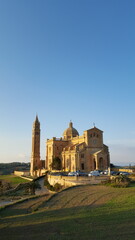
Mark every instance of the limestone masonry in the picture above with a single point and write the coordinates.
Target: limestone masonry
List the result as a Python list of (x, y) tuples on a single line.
[(84, 153), (35, 155)]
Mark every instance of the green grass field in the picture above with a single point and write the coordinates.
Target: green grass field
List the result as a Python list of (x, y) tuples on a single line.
[(14, 180), (84, 212)]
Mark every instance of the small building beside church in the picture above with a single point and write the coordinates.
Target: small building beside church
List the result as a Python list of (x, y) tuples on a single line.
[(84, 153)]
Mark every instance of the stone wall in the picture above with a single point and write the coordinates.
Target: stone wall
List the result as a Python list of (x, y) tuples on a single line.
[(68, 181), (21, 173), (126, 170)]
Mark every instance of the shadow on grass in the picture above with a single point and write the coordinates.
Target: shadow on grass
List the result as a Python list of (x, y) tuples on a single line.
[(132, 184), (79, 223), (114, 220), (24, 206)]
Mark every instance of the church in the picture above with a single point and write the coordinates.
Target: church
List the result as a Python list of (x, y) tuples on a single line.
[(84, 153), (77, 153)]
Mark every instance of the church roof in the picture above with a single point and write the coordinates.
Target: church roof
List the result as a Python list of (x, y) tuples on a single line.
[(95, 128), (97, 152), (70, 131), (70, 146)]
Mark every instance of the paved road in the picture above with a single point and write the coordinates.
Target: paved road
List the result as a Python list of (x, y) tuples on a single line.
[(43, 189)]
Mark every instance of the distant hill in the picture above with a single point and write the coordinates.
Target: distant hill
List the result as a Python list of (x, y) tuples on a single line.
[(8, 168)]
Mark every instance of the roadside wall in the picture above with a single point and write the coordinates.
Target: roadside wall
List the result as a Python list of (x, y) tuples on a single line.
[(23, 173), (126, 170), (39, 172), (68, 181), (123, 170)]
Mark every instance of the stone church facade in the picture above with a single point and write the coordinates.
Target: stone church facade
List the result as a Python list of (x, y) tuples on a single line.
[(84, 153)]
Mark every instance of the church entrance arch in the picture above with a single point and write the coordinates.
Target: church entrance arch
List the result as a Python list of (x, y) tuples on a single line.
[(101, 164)]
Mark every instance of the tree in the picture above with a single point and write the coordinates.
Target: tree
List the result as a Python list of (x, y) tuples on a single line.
[(112, 165), (56, 164)]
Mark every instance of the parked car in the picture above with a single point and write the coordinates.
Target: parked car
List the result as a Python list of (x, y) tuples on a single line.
[(102, 173), (73, 174), (124, 173), (106, 172), (114, 173), (83, 174), (94, 173), (59, 173), (63, 174)]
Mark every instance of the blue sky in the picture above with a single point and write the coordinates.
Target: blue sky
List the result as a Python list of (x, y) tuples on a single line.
[(67, 60)]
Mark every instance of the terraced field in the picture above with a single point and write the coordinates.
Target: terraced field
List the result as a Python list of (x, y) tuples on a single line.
[(84, 212)]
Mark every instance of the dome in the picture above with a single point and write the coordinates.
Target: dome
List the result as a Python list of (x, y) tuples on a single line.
[(70, 132)]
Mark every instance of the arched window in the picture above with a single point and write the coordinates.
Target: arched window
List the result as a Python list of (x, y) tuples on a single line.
[(82, 166)]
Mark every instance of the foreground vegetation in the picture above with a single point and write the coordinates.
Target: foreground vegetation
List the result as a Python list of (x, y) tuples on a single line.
[(84, 212), (8, 182)]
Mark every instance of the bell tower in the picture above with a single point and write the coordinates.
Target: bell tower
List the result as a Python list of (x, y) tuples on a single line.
[(35, 155)]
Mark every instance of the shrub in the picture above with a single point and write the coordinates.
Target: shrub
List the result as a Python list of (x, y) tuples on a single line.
[(49, 187), (120, 181), (57, 187), (4, 186)]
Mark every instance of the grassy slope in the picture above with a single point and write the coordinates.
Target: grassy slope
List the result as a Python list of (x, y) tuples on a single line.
[(85, 212), (14, 180)]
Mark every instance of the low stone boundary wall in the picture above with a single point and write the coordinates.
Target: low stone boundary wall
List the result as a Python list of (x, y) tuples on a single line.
[(126, 170), (68, 181), (21, 173)]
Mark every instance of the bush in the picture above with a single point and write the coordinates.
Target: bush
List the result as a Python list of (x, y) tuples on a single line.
[(120, 181), (49, 187), (4, 186), (57, 187)]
